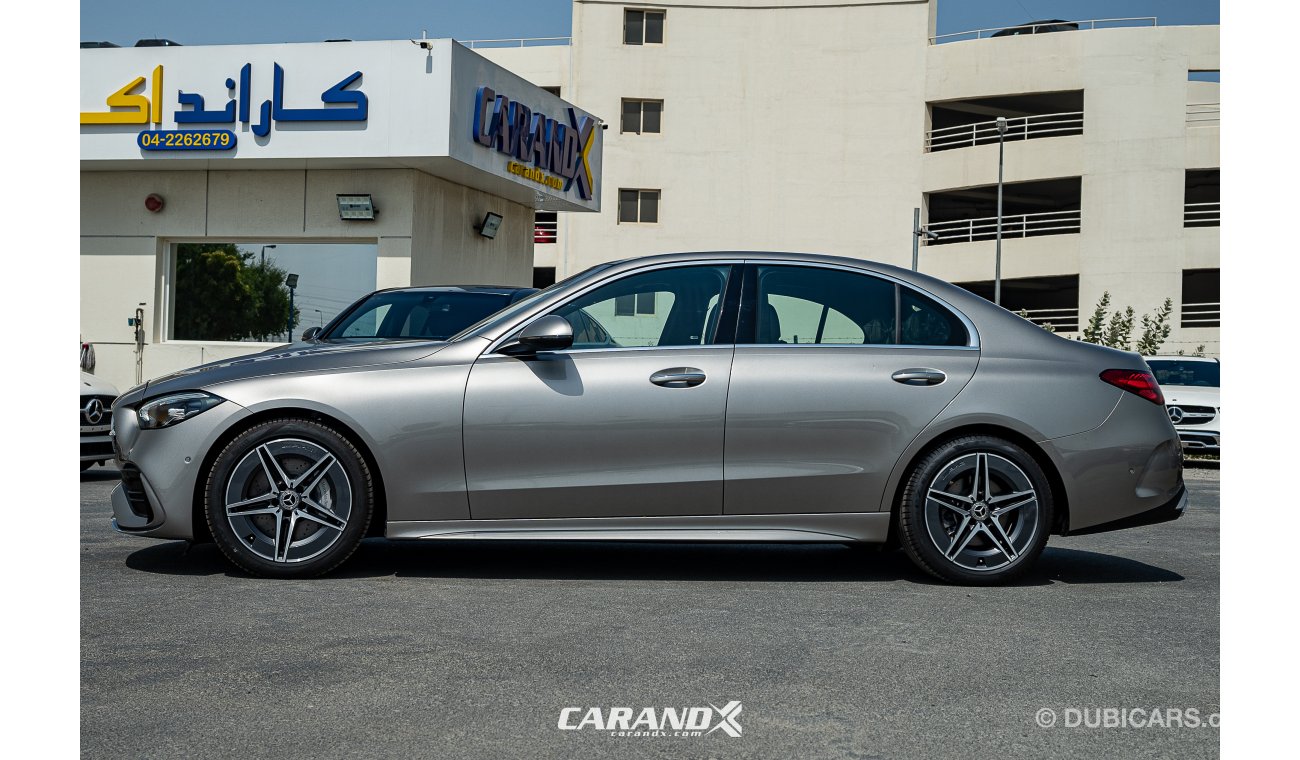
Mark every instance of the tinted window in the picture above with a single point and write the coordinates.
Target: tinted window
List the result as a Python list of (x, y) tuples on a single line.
[(416, 314), (663, 307), (925, 323), (1175, 372), (826, 306)]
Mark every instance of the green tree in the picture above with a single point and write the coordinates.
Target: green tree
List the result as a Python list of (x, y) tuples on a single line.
[(221, 294), (1155, 329), (1120, 330), (212, 301), (270, 298), (1095, 332)]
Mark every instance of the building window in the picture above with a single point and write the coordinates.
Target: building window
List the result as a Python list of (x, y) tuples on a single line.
[(543, 277), (638, 206), (1200, 298), (642, 116), (634, 304), (1201, 198), (642, 27), (545, 227)]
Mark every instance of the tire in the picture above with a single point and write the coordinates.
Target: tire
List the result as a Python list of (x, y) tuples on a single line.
[(976, 537), (289, 498)]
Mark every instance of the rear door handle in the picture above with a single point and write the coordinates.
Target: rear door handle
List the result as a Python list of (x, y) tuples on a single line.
[(678, 377), (919, 376)]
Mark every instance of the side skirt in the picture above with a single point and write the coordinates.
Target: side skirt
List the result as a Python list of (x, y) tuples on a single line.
[(866, 527)]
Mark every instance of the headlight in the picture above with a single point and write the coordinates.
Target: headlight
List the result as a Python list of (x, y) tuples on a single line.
[(169, 410)]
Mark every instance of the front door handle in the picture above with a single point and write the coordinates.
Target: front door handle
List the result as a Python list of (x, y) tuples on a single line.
[(919, 376), (678, 377)]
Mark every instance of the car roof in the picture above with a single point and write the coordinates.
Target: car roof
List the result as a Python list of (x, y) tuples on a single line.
[(501, 290)]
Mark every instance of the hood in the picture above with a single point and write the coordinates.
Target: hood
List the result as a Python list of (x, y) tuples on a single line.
[(1192, 395), (93, 386), (296, 357)]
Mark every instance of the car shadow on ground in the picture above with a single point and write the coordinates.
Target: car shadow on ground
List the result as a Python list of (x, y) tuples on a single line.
[(539, 560), (99, 474)]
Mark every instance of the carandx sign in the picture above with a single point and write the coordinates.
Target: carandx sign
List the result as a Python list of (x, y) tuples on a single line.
[(559, 152)]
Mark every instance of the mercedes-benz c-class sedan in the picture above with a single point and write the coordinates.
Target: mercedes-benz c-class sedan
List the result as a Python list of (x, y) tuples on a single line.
[(683, 397)]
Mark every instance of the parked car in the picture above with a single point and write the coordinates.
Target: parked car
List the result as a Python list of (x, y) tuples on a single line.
[(97, 399), (1192, 385), (725, 397), (1038, 27), (419, 313)]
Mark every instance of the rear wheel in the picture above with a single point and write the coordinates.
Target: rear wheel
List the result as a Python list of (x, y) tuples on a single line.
[(976, 510), (289, 498)]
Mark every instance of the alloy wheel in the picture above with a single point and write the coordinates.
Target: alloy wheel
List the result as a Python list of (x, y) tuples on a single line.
[(288, 500), (981, 511)]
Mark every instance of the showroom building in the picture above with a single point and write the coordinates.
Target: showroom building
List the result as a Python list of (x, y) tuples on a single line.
[(428, 159), (820, 125)]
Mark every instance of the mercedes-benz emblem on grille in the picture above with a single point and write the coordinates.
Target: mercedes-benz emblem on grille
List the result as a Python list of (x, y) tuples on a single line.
[(1175, 414), (93, 411)]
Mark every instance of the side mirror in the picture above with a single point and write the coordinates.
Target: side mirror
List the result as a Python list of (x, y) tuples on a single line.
[(550, 333), (310, 333)]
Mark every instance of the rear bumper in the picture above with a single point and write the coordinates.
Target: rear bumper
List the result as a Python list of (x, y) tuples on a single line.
[(1129, 466), (1171, 510)]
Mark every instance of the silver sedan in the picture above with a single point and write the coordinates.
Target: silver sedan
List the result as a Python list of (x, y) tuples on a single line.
[(685, 397)]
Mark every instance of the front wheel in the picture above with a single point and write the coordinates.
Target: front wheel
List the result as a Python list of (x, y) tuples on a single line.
[(976, 510), (289, 498)]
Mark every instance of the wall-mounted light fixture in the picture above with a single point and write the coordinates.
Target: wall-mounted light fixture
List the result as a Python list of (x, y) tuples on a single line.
[(356, 207), (154, 202), (489, 226)]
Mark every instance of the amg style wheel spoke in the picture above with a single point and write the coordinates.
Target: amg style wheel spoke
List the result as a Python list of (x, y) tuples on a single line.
[(1024, 498), (284, 535), (980, 488), (274, 473), (1000, 539), (956, 548), (258, 505), (958, 504), (313, 475), (310, 510)]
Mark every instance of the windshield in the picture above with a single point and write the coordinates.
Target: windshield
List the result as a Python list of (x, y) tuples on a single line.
[(428, 315), (1175, 372)]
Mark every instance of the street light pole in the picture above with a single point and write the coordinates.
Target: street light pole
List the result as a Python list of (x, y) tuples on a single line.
[(264, 253), (916, 236), (997, 267), (321, 315), (292, 281)]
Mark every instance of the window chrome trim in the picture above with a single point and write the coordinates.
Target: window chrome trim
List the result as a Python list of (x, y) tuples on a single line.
[(547, 309), (972, 335), (905, 346)]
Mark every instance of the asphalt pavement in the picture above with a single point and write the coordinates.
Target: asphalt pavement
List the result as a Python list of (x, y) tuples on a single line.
[(467, 650)]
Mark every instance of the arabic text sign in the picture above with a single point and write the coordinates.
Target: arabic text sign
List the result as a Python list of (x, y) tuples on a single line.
[(137, 108)]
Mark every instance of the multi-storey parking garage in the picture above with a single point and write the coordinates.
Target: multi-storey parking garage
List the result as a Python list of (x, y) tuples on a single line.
[(820, 125)]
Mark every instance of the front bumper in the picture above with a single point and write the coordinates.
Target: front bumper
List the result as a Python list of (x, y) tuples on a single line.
[(160, 470), (1198, 440)]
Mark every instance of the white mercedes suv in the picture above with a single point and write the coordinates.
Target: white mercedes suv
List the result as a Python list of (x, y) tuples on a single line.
[(1191, 387)]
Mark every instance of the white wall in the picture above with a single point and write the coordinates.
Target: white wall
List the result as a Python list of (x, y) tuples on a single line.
[(424, 233)]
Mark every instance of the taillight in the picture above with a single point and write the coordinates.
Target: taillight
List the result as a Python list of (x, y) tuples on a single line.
[(1134, 381)]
